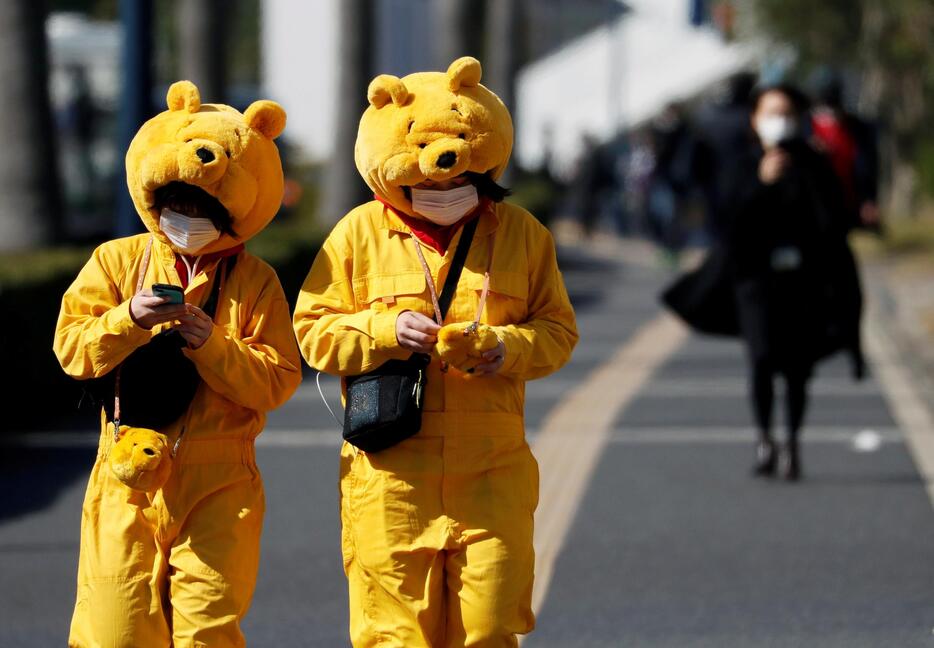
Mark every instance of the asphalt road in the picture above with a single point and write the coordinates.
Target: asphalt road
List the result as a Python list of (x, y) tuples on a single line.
[(673, 544)]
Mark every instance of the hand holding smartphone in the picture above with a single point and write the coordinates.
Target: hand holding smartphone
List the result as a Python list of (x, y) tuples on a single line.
[(175, 294)]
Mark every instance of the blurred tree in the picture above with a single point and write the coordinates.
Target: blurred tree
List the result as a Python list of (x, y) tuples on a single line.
[(29, 181), (202, 28), (505, 48), (505, 39), (135, 103), (889, 45), (344, 188), (459, 26)]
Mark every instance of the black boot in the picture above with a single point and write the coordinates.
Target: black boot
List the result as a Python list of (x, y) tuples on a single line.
[(790, 460), (766, 459)]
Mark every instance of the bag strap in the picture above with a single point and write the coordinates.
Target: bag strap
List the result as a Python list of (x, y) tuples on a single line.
[(442, 304), (457, 266), (225, 267)]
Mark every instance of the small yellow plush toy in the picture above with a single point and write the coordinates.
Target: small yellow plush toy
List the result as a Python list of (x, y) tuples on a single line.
[(462, 345), (141, 458)]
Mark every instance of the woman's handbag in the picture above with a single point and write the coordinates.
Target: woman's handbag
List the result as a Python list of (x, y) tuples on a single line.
[(384, 406)]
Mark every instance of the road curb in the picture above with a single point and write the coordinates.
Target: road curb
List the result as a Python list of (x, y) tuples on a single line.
[(899, 364)]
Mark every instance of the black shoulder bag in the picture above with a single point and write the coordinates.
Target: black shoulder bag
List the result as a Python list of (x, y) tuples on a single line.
[(156, 382), (384, 406)]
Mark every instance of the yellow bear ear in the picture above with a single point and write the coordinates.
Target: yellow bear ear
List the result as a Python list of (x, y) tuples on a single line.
[(386, 88), (267, 117), (183, 95), (465, 72)]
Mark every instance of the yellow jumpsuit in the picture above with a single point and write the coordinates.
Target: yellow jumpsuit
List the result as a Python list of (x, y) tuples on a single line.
[(178, 567), (437, 530)]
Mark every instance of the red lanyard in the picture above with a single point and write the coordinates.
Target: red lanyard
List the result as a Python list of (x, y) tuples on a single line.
[(434, 291)]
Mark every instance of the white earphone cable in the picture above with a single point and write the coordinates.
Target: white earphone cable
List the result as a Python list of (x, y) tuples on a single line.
[(325, 400)]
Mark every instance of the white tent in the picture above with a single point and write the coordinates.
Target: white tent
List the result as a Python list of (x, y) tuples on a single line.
[(617, 76)]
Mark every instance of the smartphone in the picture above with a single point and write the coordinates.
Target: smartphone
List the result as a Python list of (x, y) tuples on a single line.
[(175, 293)]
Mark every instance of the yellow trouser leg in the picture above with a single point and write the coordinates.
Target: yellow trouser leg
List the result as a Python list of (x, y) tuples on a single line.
[(492, 487), (437, 542), (121, 570), (392, 545), (189, 590), (214, 562)]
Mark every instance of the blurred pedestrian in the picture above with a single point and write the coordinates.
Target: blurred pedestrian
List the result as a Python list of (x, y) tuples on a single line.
[(784, 279), (438, 484), (638, 166), (593, 183), (723, 135), (851, 144), (671, 180), (79, 125)]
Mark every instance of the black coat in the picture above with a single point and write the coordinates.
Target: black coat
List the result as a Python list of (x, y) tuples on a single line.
[(783, 278)]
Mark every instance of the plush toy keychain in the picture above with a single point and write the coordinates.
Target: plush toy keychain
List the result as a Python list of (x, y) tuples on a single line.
[(140, 458)]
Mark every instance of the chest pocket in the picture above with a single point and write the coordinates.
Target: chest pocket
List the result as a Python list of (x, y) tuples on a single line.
[(381, 292), (507, 302)]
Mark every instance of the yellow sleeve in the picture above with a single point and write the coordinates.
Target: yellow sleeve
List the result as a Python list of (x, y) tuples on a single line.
[(333, 335), (543, 343), (259, 369), (95, 332)]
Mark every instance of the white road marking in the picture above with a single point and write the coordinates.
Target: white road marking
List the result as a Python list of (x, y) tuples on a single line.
[(867, 441), (569, 442), (747, 435), (735, 386), (331, 438), (270, 438)]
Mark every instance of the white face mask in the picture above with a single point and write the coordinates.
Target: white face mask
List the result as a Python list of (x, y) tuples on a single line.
[(773, 129), (187, 234), (445, 207)]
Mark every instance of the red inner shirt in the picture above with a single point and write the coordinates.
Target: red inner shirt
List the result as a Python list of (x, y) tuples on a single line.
[(182, 269), (438, 237)]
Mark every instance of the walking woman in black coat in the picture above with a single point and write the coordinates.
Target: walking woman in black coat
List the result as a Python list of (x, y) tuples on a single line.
[(784, 278)]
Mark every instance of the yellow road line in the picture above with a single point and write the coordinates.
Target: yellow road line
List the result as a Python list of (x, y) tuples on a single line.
[(572, 437)]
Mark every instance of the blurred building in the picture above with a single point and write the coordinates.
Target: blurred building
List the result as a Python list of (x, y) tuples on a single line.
[(620, 75), (300, 60)]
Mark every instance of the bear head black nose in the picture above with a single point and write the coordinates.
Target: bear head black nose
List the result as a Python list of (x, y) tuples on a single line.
[(447, 159), (149, 451), (204, 155)]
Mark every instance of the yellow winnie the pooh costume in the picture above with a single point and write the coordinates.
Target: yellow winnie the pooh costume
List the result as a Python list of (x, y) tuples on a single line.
[(437, 530), (177, 565)]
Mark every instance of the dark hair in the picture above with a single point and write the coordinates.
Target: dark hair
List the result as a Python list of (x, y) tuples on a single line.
[(194, 202), (487, 186), (799, 100)]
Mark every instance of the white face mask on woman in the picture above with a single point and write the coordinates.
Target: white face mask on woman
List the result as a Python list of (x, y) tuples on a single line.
[(774, 129), (445, 207), (187, 234)]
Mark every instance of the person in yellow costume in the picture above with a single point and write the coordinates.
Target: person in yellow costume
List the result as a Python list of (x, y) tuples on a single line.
[(177, 566), (437, 529)]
